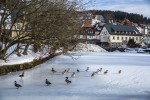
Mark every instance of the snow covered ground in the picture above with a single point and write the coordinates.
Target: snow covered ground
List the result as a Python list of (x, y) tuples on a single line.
[(14, 59), (82, 47), (132, 84)]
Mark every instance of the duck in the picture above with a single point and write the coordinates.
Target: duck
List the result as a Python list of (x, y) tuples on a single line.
[(73, 74), (64, 72), (87, 69), (97, 71), (21, 75), (17, 85), (106, 72), (53, 70), (78, 71), (100, 69), (119, 72), (92, 74), (67, 81), (47, 82), (68, 70)]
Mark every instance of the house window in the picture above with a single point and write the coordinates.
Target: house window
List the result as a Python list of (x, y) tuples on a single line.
[(133, 38), (129, 38), (18, 26), (113, 38), (137, 38), (105, 32), (122, 38), (117, 38), (81, 36)]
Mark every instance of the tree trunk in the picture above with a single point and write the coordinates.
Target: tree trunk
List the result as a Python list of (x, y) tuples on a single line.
[(25, 52), (17, 50)]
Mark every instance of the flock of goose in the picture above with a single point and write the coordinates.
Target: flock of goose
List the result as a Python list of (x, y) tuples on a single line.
[(47, 82)]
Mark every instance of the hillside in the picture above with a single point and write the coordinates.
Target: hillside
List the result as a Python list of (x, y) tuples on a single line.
[(119, 15)]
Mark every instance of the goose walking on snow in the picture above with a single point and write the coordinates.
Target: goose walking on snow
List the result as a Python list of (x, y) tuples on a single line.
[(119, 71), (87, 69), (92, 74), (106, 72), (100, 69), (67, 81), (53, 70), (21, 75), (64, 72), (68, 70), (17, 85), (47, 82), (73, 74)]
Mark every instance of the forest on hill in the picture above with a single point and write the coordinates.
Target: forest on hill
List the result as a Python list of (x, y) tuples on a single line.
[(120, 15)]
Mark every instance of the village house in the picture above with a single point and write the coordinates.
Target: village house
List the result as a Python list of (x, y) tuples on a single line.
[(119, 35), (145, 30), (91, 28), (9, 28)]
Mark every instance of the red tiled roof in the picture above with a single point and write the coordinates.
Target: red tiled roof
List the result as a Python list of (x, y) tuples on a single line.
[(87, 24)]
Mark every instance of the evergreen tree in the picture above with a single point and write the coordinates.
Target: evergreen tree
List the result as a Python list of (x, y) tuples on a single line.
[(131, 43)]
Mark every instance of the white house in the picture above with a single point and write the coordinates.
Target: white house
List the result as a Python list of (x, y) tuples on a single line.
[(119, 35)]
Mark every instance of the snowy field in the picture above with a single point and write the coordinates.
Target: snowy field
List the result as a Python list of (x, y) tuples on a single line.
[(133, 83)]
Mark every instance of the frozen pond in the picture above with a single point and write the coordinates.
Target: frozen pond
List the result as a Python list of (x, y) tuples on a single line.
[(133, 83)]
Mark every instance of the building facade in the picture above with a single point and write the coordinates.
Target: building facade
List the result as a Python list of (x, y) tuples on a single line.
[(119, 35)]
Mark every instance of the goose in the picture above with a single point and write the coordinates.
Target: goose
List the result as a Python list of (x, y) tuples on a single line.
[(73, 74), (21, 75), (97, 71), (64, 72), (106, 72), (100, 69), (17, 85), (53, 70), (119, 71), (92, 74), (47, 82), (67, 81), (87, 69), (68, 70)]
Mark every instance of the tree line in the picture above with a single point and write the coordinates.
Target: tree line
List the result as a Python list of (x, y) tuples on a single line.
[(119, 15)]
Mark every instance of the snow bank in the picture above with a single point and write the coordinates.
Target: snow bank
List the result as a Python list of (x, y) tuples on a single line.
[(14, 59), (89, 48)]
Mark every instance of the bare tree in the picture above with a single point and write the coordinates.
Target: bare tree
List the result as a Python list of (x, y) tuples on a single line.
[(39, 22)]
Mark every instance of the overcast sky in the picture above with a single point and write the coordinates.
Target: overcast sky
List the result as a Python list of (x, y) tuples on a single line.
[(131, 6)]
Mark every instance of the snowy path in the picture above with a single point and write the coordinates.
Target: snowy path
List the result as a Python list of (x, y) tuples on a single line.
[(132, 84)]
